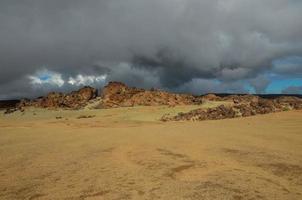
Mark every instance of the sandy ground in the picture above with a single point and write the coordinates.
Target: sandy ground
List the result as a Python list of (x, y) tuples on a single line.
[(126, 153)]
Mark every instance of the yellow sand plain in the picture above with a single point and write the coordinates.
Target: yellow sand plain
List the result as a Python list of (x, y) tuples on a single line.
[(126, 153)]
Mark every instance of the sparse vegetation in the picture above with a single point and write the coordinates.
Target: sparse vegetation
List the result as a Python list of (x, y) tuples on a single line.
[(85, 116)]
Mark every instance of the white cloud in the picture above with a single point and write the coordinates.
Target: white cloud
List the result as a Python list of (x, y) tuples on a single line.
[(46, 77), (86, 80)]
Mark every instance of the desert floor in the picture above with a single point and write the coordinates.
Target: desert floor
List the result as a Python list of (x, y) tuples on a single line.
[(126, 153)]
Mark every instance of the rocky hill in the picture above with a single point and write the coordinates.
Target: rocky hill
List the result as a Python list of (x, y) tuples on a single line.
[(117, 94), (74, 100)]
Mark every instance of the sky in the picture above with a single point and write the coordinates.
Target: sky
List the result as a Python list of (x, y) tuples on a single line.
[(190, 46)]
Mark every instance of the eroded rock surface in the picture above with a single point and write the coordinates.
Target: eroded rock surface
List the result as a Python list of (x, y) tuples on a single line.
[(73, 100), (243, 106), (117, 94)]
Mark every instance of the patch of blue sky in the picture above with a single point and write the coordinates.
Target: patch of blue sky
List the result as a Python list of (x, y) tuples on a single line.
[(286, 73), (279, 83), (44, 77)]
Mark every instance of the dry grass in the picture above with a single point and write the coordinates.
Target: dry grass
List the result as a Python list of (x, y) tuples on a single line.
[(126, 153)]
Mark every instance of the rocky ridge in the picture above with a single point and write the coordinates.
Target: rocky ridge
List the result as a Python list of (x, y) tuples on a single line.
[(243, 106), (74, 100), (117, 94)]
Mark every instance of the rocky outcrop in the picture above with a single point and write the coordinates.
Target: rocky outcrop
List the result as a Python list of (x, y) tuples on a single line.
[(220, 112), (73, 100), (238, 99), (211, 97), (290, 101), (243, 106), (117, 94)]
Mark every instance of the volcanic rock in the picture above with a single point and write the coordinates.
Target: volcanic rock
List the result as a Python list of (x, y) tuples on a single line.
[(220, 112), (245, 110), (211, 97), (73, 100), (243, 106), (117, 94), (288, 101), (237, 99)]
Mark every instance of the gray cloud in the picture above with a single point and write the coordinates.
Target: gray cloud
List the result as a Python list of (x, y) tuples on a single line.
[(290, 66), (165, 43), (260, 83), (204, 86), (292, 90)]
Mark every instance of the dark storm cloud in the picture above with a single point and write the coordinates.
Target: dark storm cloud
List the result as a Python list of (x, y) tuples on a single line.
[(204, 86), (162, 43), (290, 66)]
